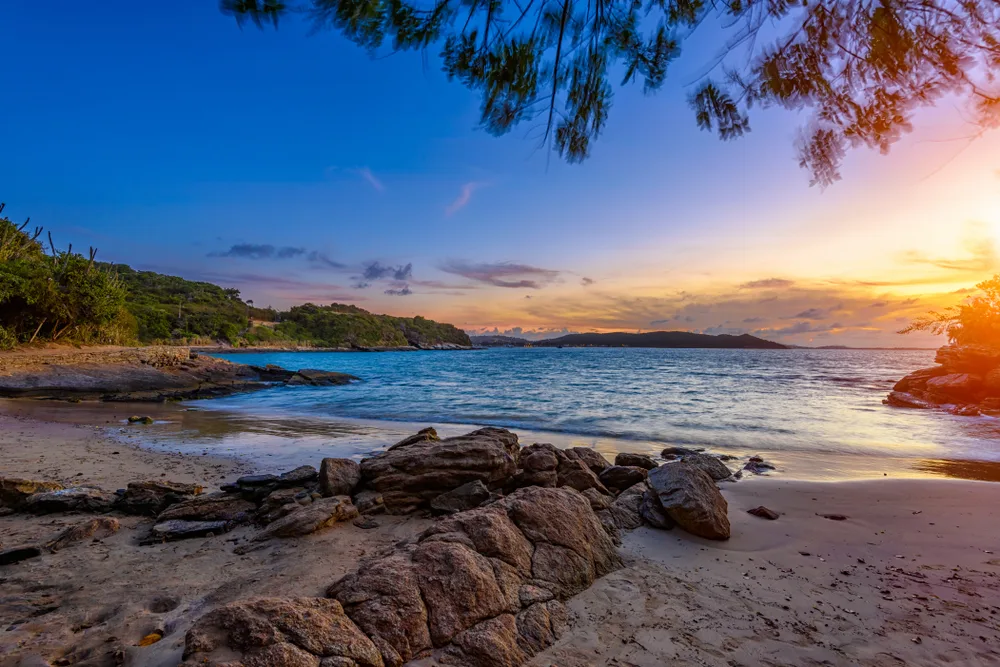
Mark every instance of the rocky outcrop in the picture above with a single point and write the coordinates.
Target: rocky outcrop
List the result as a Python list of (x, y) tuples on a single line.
[(620, 477), (338, 477), (481, 587), (15, 490), (418, 469), (279, 632), (966, 382), (690, 498), (154, 373), (150, 498), (306, 519), (178, 529), (75, 499)]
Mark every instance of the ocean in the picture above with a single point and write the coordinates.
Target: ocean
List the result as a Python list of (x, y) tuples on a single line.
[(817, 413)]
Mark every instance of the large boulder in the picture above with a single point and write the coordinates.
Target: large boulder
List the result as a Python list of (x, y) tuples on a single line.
[(279, 632), (691, 498), (625, 508), (468, 590), (576, 474), (902, 399), (917, 380), (635, 460), (75, 499), (309, 518), (338, 477), (15, 490), (715, 468), (621, 477), (211, 507), (152, 497), (591, 457), (413, 472), (651, 511)]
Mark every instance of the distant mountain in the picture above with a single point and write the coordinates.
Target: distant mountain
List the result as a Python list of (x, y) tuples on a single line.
[(662, 339), (500, 341)]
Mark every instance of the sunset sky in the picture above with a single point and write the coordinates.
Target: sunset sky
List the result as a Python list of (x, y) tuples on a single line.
[(296, 168)]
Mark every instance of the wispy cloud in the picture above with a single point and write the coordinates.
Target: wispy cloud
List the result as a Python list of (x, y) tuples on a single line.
[(979, 245), (366, 173), (501, 274), (400, 291), (463, 198), (259, 251), (321, 260), (587, 282), (768, 283), (377, 271)]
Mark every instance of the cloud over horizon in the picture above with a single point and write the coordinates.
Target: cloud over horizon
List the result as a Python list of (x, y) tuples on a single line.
[(501, 274), (259, 251)]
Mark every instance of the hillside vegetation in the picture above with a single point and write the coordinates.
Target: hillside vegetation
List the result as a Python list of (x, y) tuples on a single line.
[(51, 295), (662, 339)]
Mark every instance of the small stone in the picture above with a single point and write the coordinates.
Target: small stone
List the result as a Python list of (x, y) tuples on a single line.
[(834, 517), (150, 639), (366, 523), (764, 513), (179, 529), (339, 477)]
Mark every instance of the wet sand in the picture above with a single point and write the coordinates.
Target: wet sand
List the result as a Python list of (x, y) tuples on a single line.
[(910, 576)]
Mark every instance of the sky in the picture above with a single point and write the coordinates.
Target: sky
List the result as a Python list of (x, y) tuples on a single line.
[(295, 167)]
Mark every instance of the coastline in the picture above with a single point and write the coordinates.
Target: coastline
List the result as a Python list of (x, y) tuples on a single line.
[(927, 591)]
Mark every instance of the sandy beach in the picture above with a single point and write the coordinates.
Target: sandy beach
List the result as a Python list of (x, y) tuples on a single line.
[(909, 576)]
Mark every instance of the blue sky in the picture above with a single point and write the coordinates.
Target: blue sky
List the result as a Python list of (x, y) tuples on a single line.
[(166, 136)]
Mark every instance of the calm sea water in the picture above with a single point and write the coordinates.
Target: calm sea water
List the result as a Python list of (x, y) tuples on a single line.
[(798, 403)]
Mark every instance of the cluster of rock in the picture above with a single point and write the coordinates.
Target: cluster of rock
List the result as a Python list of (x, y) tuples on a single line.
[(966, 381), (523, 529), (143, 374)]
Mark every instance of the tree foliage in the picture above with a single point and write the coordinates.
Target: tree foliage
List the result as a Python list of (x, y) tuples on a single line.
[(977, 321), (861, 68)]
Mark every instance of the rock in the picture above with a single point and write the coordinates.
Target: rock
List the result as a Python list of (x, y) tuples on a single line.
[(764, 513), (298, 476), (955, 386), (465, 497), (966, 411), (900, 399), (316, 378), (152, 497), (979, 359), (625, 508), (211, 507), (415, 471), (622, 477), (635, 460), (991, 382), (14, 490), (369, 502), (591, 457), (76, 499), (135, 419), (339, 477), (917, 380), (690, 497), (17, 554), (468, 591), (598, 501), (545, 478), (281, 502), (178, 529), (575, 474), (366, 523), (673, 452), (539, 458), (651, 511), (715, 468), (758, 466), (97, 528), (253, 481), (279, 632), (310, 518)]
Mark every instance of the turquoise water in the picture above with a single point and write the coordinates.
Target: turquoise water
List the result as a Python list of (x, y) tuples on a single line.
[(797, 402)]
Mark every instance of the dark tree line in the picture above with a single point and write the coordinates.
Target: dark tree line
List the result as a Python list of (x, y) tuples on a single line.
[(860, 67)]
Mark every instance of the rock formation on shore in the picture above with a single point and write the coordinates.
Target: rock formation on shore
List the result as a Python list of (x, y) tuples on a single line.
[(966, 381), (143, 374), (525, 529)]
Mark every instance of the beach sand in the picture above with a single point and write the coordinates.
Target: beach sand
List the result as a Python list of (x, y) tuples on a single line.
[(911, 576)]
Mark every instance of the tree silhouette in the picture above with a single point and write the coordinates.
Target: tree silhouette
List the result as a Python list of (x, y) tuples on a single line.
[(860, 67)]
